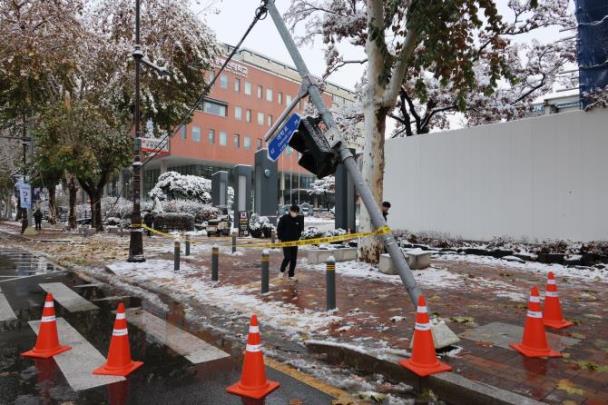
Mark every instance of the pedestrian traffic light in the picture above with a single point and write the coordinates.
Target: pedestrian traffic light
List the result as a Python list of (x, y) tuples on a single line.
[(317, 156)]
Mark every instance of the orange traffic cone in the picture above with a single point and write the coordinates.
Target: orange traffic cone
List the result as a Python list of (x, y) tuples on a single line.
[(119, 356), (534, 341), (47, 342), (253, 383), (552, 312), (424, 359)]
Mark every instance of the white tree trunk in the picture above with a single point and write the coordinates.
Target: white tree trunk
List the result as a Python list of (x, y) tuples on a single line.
[(374, 114)]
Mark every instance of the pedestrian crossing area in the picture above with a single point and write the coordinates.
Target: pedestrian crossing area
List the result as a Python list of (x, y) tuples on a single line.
[(77, 364)]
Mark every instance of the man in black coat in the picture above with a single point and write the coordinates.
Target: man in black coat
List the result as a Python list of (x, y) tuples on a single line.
[(290, 228)]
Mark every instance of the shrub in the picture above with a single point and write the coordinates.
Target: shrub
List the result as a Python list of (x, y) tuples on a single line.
[(260, 226), (201, 212), (173, 221), (173, 185)]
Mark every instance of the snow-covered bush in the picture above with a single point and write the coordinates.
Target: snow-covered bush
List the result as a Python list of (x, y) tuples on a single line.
[(116, 207), (324, 185), (173, 185), (260, 226), (199, 211), (174, 221), (312, 232)]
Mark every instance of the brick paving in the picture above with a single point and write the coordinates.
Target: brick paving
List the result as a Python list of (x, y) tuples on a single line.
[(377, 313), (367, 306)]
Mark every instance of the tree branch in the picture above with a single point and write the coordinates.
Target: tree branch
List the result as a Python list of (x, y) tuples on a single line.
[(391, 92), (331, 70)]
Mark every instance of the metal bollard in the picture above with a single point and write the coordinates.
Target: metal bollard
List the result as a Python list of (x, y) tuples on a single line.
[(330, 280), (265, 271), (176, 253), (273, 236), (187, 245), (233, 241), (215, 256)]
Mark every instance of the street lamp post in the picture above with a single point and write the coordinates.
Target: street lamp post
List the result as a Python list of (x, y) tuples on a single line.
[(136, 244)]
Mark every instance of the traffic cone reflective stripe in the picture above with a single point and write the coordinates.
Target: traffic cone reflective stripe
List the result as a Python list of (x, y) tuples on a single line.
[(534, 341), (553, 316), (47, 342), (424, 359), (119, 360), (253, 383)]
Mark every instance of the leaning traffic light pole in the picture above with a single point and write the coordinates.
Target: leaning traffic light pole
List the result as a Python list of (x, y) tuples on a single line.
[(347, 159)]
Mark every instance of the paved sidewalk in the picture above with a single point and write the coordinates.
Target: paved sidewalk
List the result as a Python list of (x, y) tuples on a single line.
[(376, 313)]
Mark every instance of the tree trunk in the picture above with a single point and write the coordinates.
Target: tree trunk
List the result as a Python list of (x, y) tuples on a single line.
[(95, 201), (72, 190), (52, 204), (374, 116)]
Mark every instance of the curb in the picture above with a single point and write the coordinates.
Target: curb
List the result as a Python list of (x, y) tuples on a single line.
[(450, 387)]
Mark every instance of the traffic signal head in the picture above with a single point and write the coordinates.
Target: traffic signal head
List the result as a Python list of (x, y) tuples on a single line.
[(317, 156)]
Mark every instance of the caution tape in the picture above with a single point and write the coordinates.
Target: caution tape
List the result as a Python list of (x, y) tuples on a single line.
[(302, 242), (327, 239)]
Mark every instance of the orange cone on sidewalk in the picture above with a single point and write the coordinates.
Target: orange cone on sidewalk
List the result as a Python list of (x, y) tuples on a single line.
[(47, 342), (253, 383), (534, 341), (424, 359), (552, 312), (119, 360)]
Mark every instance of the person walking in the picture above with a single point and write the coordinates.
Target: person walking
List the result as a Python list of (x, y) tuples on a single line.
[(38, 219), (24, 221), (290, 228)]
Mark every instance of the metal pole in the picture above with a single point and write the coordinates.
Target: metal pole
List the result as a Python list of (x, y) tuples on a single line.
[(348, 160), (330, 283), (187, 246), (136, 243), (215, 256), (265, 271), (234, 240), (176, 253)]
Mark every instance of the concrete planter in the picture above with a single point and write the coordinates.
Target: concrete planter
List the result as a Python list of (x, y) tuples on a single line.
[(416, 259), (316, 256)]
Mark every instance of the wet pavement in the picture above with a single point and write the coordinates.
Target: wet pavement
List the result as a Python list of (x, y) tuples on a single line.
[(165, 378)]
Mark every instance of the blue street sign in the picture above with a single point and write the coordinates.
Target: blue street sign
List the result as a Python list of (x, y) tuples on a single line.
[(280, 142)]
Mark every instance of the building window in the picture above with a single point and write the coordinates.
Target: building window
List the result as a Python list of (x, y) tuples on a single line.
[(247, 88), (258, 143), (260, 118), (223, 138), (196, 134), (280, 97), (182, 132), (237, 141), (288, 99), (260, 91), (215, 108), (269, 120), (268, 94), (237, 85), (224, 81), (211, 136), (247, 142), (248, 116), (238, 113)]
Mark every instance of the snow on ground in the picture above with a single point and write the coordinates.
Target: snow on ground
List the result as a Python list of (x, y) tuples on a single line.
[(431, 277), (581, 273), (290, 319)]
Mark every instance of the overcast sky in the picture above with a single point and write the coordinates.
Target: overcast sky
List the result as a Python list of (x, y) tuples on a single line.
[(229, 19)]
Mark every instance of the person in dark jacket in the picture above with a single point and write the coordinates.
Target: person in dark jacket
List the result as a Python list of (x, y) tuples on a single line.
[(385, 207), (290, 228), (38, 219)]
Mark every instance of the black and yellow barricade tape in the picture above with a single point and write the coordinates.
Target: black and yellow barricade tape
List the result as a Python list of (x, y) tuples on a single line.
[(317, 241), (302, 242)]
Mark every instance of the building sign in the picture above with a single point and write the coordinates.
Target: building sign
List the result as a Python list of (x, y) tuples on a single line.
[(233, 67), (151, 145), (243, 223)]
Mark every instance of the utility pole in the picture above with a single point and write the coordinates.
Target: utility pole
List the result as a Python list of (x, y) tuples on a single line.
[(136, 243), (347, 158)]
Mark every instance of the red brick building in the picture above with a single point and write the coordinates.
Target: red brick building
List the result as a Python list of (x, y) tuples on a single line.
[(231, 123)]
